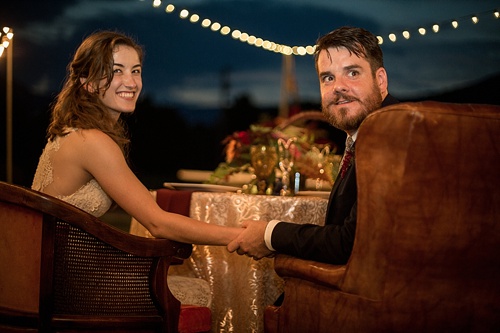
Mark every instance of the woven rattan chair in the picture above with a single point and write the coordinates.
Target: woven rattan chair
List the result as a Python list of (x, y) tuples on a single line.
[(63, 270)]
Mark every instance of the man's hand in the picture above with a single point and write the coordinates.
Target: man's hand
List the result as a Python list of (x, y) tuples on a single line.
[(250, 242)]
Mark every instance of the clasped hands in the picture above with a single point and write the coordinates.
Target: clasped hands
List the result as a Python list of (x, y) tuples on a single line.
[(250, 241)]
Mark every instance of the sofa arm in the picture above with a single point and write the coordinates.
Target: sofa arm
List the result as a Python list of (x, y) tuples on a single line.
[(315, 272)]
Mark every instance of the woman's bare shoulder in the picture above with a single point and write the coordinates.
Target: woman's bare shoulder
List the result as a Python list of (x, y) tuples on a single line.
[(91, 137), (89, 144)]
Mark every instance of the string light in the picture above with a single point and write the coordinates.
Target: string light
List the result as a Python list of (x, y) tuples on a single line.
[(184, 13), (6, 36), (215, 26), (168, 9), (194, 18), (244, 37), (206, 23)]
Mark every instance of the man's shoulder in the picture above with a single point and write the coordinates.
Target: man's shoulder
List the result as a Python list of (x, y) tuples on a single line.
[(389, 100)]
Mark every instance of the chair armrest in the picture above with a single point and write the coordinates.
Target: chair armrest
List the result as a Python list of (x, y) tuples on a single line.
[(315, 272), (63, 211)]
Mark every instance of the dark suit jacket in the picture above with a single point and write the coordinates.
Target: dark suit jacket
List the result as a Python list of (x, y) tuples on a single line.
[(333, 242)]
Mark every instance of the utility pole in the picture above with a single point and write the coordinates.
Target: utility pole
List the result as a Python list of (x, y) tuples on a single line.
[(7, 35)]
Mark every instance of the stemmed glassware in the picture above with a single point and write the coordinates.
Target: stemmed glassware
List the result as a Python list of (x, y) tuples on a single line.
[(286, 161), (263, 160), (322, 165)]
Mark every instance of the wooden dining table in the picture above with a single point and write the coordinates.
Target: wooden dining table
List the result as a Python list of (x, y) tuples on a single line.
[(242, 287)]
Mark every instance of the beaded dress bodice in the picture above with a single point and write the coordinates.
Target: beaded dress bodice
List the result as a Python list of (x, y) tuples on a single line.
[(90, 197)]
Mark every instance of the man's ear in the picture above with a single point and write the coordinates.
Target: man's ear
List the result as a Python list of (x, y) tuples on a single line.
[(381, 78)]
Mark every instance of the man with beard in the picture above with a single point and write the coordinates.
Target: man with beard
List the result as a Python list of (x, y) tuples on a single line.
[(353, 84)]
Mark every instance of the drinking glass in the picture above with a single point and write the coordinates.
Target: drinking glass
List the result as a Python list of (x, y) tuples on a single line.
[(263, 159), (286, 161)]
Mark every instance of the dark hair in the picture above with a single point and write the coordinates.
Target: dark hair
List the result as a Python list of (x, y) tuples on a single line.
[(78, 105), (357, 41)]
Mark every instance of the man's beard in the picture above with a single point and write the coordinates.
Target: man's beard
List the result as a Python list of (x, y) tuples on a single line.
[(339, 118)]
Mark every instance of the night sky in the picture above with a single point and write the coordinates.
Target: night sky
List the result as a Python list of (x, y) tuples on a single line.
[(184, 61)]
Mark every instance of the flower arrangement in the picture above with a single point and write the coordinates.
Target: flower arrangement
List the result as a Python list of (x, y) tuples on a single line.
[(309, 150), (237, 151), (237, 145)]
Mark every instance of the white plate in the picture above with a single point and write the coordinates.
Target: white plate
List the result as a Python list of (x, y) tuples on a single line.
[(320, 194), (201, 187)]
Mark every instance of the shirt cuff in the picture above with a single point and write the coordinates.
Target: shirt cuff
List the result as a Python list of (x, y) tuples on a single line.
[(268, 233)]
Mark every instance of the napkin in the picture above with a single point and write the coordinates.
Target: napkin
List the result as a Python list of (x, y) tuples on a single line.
[(174, 201)]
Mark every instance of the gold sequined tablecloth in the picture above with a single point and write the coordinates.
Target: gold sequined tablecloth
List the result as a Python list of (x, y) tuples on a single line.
[(242, 287)]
